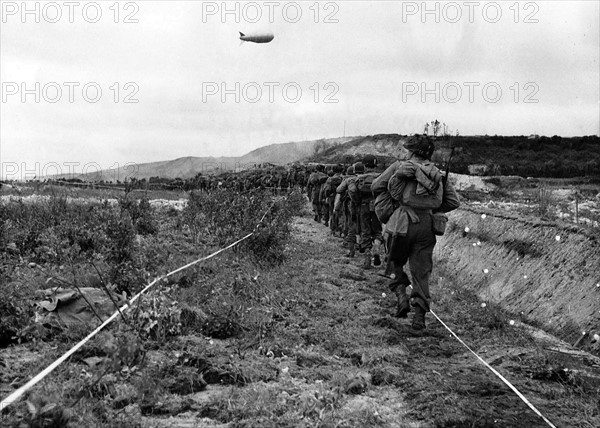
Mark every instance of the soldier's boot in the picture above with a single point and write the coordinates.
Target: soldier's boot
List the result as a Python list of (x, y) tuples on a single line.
[(367, 260), (417, 326), (350, 249), (403, 306), (377, 247), (376, 260)]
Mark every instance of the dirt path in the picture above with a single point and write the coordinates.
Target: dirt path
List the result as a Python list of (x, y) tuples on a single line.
[(433, 380)]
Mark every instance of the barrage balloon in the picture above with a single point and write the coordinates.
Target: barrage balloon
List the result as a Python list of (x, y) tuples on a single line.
[(265, 37)]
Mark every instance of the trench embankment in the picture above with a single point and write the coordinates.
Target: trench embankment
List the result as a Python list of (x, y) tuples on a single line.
[(544, 272)]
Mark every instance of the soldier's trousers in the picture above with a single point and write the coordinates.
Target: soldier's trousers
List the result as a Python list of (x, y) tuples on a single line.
[(316, 204), (370, 227), (342, 220), (325, 210), (334, 219), (416, 248), (317, 209), (351, 225)]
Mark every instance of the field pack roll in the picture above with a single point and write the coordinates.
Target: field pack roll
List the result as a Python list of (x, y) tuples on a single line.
[(417, 185)]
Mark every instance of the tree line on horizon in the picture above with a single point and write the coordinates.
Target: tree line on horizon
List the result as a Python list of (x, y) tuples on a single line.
[(526, 156)]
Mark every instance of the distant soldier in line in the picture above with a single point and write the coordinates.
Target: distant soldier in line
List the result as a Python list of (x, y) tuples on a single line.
[(265, 181), (202, 184), (283, 184), (329, 190), (349, 206), (303, 179), (298, 177), (323, 197), (368, 224), (340, 207), (417, 187), (315, 181), (293, 176)]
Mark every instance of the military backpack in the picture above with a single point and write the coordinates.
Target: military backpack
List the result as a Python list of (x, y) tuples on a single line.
[(359, 189)]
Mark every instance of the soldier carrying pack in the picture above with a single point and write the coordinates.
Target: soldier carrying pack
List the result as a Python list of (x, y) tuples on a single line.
[(417, 184), (359, 188)]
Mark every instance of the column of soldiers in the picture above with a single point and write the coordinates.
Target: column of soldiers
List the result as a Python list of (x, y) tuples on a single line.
[(395, 214), (355, 204), (389, 217), (346, 205), (275, 178)]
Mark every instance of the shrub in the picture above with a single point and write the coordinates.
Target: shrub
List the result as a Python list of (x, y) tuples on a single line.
[(141, 214)]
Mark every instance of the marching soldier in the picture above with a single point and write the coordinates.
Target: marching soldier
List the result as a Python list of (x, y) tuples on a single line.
[(349, 206), (368, 223), (420, 192), (315, 181), (329, 192)]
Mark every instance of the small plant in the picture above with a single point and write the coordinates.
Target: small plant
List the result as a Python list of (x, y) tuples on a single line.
[(43, 414), (158, 316), (545, 204)]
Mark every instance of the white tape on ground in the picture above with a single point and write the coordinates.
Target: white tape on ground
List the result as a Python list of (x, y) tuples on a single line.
[(20, 391), (493, 370)]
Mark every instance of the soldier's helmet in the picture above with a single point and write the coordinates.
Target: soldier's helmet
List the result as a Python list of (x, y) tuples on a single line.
[(421, 144), (350, 170), (370, 161), (359, 168)]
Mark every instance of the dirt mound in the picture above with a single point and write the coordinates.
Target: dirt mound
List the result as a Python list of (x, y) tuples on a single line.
[(384, 146), (538, 271)]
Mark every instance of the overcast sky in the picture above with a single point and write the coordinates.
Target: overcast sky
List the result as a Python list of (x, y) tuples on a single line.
[(373, 58)]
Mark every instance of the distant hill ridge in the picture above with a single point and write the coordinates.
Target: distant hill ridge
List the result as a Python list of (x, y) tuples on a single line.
[(525, 156), (190, 166)]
